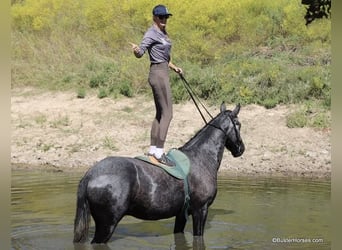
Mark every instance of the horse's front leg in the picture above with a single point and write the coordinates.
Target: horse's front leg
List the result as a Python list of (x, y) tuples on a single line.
[(179, 223), (198, 243), (199, 216)]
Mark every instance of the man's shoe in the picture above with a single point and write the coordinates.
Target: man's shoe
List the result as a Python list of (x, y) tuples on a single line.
[(165, 160)]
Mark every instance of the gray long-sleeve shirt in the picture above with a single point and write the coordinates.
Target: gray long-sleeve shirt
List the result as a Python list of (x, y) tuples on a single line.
[(158, 45)]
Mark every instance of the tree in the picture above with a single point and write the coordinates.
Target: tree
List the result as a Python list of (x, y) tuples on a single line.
[(316, 9)]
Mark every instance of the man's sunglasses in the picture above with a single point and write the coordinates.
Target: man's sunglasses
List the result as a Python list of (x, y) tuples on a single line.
[(163, 16)]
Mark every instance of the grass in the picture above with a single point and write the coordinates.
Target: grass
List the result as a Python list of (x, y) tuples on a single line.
[(40, 119), (81, 93), (43, 146), (61, 121), (309, 115), (110, 144)]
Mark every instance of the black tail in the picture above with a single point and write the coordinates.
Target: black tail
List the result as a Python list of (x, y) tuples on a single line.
[(82, 218)]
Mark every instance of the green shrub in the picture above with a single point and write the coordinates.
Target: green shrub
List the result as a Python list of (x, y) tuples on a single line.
[(126, 89), (309, 114), (235, 51), (97, 81), (102, 93), (81, 93), (297, 119)]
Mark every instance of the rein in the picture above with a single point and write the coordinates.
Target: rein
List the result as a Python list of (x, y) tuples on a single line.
[(221, 129), (194, 97)]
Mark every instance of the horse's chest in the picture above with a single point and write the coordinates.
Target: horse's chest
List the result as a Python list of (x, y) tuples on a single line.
[(202, 192)]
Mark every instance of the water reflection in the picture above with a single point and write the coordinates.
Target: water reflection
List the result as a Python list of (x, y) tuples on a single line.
[(247, 214), (180, 243)]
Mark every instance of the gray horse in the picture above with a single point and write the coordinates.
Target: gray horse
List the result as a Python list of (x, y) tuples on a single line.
[(119, 186)]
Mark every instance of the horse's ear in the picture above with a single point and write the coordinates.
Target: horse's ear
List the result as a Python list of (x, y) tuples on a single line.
[(236, 111), (223, 107)]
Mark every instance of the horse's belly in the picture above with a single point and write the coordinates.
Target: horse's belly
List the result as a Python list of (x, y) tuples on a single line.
[(153, 213), (154, 208)]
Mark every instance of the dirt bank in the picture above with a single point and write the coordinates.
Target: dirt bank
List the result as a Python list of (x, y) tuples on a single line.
[(60, 131)]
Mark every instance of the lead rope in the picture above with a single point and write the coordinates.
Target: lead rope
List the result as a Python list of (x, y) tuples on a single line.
[(194, 97)]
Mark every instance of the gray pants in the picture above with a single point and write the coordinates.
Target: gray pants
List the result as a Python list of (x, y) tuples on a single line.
[(160, 83)]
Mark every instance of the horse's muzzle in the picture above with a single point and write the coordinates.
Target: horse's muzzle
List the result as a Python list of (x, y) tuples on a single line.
[(239, 151)]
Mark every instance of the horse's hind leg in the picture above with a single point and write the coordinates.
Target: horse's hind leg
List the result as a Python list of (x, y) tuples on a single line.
[(104, 229), (103, 233), (105, 223)]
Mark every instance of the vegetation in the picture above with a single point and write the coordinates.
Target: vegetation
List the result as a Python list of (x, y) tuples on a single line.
[(238, 51)]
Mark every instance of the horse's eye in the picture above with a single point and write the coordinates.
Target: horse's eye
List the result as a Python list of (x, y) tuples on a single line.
[(237, 123)]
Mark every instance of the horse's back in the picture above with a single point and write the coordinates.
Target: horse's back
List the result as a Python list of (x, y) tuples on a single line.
[(112, 164)]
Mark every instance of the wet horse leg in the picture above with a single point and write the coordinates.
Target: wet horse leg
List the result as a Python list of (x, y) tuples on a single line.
[(199, 217), (103, 233), (105, 224), (198, 243), (179, 223)]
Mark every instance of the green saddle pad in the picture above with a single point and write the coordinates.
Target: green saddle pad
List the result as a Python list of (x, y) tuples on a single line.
[(182, 168)]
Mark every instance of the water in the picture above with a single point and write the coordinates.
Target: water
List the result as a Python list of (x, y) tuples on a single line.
[(248, 213)]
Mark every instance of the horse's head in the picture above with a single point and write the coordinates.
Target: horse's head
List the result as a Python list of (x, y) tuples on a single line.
[(234, 142)]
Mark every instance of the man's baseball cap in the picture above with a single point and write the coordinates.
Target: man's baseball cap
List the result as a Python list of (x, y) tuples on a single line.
[(161, 10)]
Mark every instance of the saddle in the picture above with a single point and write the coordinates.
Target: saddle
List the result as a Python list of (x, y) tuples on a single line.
[(180, 171)]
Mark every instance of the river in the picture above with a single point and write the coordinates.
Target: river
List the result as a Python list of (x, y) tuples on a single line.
[(248, 213)]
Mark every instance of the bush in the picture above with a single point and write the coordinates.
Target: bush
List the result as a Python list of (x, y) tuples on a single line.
[(297, 119), (81, 93), (235, 51), (102, 93), (126, 89), (309, 114)]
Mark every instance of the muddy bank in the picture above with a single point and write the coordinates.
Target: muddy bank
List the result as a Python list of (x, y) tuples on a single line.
[(57, 131)]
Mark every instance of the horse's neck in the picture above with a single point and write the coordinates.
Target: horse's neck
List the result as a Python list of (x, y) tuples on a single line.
[(207, 147)]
